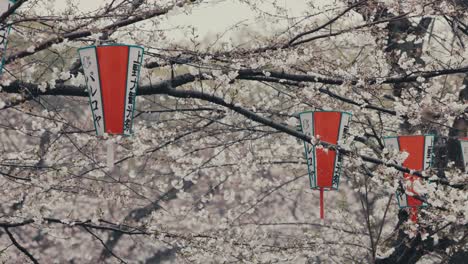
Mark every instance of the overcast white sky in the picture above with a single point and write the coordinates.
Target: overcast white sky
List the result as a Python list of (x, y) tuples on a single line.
[(212, 17)]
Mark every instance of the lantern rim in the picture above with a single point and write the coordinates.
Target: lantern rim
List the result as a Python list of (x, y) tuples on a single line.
[(111, 45), (424, 135), (324, 111), (423, 205), (327, 188)]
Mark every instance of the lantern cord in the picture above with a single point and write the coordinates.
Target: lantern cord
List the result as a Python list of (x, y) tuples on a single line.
[(321, 203), (110, 154)]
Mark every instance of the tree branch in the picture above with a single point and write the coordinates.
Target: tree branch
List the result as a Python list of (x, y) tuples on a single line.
[(11, 10), (167, 87), (104, 244), (87, 33), (19, 247), (331, 21)]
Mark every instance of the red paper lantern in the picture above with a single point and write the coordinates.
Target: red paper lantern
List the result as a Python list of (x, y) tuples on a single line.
[(112, 74), (420, 154), (324, 165)]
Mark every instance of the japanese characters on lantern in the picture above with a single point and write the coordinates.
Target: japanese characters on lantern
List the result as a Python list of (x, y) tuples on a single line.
[(324, 165), (112, 75), (420, 155)]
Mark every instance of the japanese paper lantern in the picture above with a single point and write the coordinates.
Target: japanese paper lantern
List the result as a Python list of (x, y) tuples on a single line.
[(112, 73), (324, 165), (420, 154), (4, 30), (464, 152)]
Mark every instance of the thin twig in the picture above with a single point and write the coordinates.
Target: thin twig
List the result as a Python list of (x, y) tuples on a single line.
[(103, 244)]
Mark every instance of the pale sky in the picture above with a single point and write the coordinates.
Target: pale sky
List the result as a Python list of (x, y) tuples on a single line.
[(214, 16)]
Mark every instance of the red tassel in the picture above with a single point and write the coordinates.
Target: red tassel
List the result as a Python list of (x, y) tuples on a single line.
[(414, 214), (321, 204)]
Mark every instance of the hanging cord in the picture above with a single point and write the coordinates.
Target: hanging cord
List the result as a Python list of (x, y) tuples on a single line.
[(414, 214)]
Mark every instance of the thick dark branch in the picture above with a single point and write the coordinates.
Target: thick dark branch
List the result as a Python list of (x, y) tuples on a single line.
[(167, 87), (412, 77), (69, 90), (104, 225), (11, 10), (14, 177), (8, 225), (246, 74), (19, 247)]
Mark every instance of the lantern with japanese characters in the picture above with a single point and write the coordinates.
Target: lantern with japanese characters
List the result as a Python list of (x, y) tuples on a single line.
[(112, 74), (420, 154), (4, 30), (464, 152), (324, 165)]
